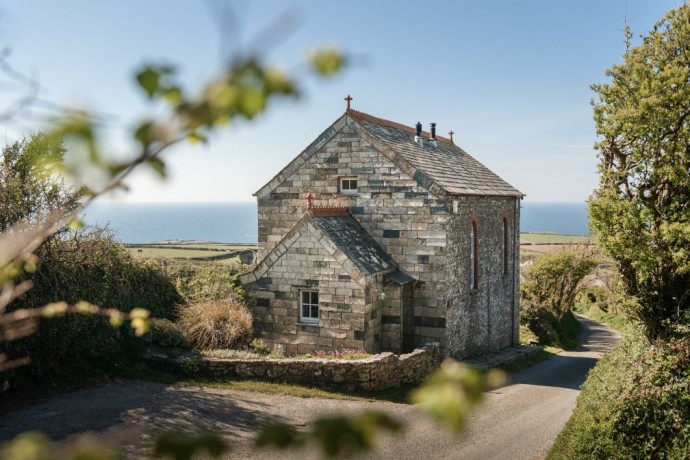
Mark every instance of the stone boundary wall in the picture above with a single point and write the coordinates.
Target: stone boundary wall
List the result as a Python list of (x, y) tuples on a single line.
[(378, 372)]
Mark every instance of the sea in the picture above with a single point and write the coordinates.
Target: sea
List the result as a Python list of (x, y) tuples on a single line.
[(237, 222)]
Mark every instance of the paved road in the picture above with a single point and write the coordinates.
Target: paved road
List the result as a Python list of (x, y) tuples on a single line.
[(518, 421)]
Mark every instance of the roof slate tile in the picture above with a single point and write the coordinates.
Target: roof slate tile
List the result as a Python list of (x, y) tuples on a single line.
[(457, 172)]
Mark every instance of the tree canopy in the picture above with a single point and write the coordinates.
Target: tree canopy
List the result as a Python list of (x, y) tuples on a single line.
[(29, 189), (640, 211)]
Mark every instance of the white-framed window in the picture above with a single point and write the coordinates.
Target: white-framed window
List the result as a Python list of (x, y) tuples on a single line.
[(309, 306), (348, 185), (474, 255)]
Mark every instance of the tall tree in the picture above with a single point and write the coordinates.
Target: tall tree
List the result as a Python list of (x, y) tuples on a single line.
[(29, 187), (640, 211)]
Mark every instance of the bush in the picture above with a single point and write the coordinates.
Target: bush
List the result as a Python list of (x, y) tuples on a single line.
[(553, 281), (547, 295), (635, 404), (550, 329), (198, 281), (260, 347), (165, 333), (216, 324), (92, 267)]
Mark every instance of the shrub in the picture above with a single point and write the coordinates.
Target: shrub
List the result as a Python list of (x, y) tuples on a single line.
[(165, 333), (89, 266), (550, 329), (198, 281), (635, 404), (216, 324), (259, 347), (553, 281), (92, 266), (547, 295)]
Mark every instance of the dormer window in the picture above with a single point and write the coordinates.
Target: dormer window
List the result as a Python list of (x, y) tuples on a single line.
[(348, 185)]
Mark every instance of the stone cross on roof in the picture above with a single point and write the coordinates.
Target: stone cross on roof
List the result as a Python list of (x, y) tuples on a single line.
[(450, 133), (348, 99)]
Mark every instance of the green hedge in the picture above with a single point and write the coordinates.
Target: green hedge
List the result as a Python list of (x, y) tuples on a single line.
[(634, 405), (94, 268)]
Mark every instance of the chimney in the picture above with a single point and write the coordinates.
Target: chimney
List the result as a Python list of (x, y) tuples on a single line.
[(432, 139), (418, 136)]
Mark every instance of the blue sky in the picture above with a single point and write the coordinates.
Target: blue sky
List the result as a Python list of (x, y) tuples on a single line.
[(510, 78)]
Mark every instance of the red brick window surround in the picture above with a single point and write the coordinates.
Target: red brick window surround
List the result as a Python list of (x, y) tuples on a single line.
[(474, 254), (309, 306)]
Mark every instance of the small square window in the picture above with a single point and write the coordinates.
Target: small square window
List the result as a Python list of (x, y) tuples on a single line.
[(309, 307), (348, 185)]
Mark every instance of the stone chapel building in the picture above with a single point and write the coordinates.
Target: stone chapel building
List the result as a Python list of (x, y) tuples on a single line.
[(383, 237)]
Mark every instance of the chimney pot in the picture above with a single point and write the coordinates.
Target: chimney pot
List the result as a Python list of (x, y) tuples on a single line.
[(433, 131), (418, 137)]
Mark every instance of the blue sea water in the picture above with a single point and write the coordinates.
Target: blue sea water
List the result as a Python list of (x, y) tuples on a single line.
[(564, 218), (150, 222), (237, 222)]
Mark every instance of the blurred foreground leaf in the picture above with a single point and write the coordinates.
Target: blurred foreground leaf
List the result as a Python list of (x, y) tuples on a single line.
[(454, 389), (335, 435), (180, 447)]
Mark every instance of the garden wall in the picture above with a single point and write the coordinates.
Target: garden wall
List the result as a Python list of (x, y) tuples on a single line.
[(378, 372)]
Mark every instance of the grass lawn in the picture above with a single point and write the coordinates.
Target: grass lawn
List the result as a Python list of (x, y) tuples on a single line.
[(396, 395)]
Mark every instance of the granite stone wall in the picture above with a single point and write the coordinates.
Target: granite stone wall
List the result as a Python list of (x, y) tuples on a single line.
[(345, 305), (378, 372), (486, 318), (401, 215)]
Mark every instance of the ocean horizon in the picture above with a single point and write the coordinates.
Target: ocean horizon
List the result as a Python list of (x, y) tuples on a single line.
[(236, 222)]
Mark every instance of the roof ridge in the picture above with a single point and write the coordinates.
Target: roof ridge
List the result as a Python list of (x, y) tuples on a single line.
[(396, 125)]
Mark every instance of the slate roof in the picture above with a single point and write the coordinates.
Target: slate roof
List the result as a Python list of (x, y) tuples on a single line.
[(446, 164), (346, 237), (349, 236)]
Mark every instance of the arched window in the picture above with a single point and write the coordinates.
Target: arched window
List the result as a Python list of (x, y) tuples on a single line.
[(474, 255), (504, 245)]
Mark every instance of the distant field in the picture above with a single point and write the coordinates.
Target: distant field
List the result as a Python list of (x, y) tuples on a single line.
[(531, 245), (552, 238), (222, 252)]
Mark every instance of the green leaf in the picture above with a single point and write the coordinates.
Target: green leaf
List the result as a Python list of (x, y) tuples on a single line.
[(340, 434), (186, 447), (173, 95), (196, 137), (278, 435), (326, 62), (34, 446), (157, 165), (143, 133), (149, 80), (450, 393)]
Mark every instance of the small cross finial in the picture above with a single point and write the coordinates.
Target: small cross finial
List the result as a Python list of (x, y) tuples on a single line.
[(451, 135), (348, 99), (310, 200)]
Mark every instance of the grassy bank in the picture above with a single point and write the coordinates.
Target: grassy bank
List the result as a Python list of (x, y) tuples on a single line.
[(634, 404)]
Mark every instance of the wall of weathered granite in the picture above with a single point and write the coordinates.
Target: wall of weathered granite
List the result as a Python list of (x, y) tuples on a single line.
[(486, 318), (399, 213), (378, 372), (346, 306)]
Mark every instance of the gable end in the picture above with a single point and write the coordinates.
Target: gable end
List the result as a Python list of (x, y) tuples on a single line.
[(302, 158)]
